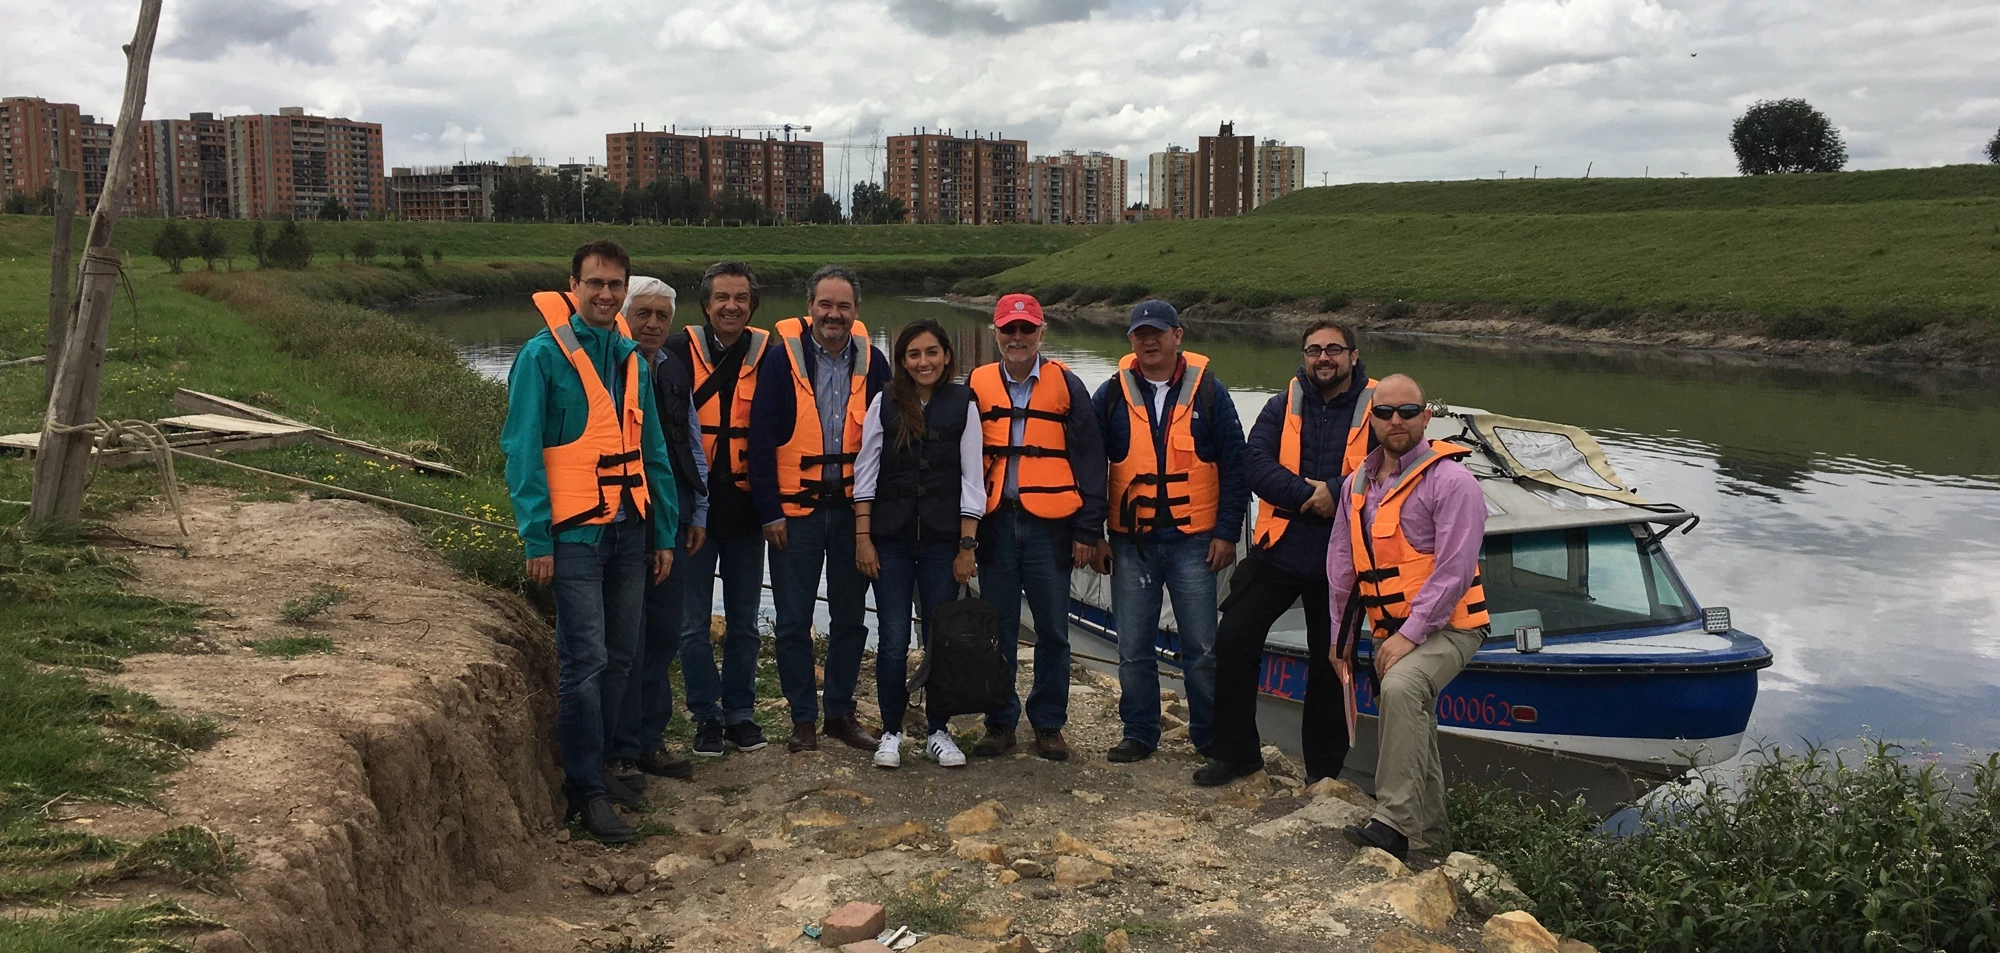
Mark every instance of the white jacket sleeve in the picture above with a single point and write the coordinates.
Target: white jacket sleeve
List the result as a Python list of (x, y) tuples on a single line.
[(972, 466), (868, 463)]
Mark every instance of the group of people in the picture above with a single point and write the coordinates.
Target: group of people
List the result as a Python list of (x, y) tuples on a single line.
[(644, 463)]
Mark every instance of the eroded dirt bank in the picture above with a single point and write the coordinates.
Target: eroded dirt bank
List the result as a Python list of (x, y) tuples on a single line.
[(401, 794)]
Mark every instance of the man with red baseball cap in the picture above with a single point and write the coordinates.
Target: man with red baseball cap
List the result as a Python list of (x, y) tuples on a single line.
[(1044, 511)]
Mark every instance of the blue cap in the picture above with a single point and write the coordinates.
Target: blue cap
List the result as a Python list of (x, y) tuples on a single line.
[(1153, 314)]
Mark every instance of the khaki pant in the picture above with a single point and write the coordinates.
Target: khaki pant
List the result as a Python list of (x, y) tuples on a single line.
[(1409, 777)]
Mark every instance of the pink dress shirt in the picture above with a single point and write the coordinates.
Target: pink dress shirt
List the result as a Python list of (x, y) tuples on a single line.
[(1445, 515)]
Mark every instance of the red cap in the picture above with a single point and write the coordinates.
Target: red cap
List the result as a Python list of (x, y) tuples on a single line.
[(1017, 307)]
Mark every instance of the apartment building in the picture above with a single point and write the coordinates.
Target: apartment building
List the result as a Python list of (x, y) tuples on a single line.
[(287, 165), (781, 175), (448, 193), (37, 137), (1225, 178), (970, 180), (183, 166), (1170, 183), (1279, 169), (1072, 189)]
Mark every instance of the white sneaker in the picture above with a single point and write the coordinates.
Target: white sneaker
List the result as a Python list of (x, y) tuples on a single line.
[(944, 751), (889, 753)]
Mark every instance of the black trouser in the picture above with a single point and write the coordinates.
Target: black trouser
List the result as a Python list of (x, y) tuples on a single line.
[(1258, 594)]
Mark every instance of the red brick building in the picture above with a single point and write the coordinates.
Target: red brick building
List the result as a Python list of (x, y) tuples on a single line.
[(1225, 179), (781, 175), (285, 166), (960, 180), (1071, 189), (37, 137)]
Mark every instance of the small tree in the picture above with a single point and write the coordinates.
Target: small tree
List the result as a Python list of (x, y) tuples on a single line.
[(437, 255), (291, 249), (1786, 135), (173, 245), (1993, 149), (260, 245), (822, 210), (209, 245), (364, 249), (413, 257), (332, 211)]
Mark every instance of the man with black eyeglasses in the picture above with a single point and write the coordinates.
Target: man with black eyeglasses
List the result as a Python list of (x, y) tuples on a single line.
[(1303, 443)]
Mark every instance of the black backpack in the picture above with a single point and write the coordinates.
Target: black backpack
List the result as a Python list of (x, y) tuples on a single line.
[(965, 670)]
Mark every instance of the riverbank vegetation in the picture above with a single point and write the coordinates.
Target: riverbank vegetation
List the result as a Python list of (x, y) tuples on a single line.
[(1865, 257), (1825, 851)]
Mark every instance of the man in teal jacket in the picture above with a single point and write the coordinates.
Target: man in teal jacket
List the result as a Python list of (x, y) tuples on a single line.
[(597, 572)]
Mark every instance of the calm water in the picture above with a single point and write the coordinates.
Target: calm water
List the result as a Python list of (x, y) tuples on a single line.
[(1851, 520)]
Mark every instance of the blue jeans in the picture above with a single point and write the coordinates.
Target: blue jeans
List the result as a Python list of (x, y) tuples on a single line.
[(909, 568), (727, 697), (1020, 552), (825, 538), (600, 593), (649, 693), (1139, 571)]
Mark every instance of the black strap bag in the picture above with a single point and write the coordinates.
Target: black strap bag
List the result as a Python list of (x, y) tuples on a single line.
[(965, 670)]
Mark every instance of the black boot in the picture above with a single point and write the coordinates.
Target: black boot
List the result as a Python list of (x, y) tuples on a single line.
[(623, 793), (667, 764), (1217, 772), (604, 823), (1378, 834)]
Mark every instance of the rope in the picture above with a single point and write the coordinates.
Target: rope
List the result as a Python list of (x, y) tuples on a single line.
[(136, 434), (357, 494)]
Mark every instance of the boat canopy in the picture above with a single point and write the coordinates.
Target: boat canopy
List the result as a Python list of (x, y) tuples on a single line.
[(1538, 475)]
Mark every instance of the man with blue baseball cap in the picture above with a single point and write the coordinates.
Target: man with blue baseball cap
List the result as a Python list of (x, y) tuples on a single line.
[(1177, 497)]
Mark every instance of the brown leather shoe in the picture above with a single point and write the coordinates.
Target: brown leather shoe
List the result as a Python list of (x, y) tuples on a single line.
[(848, 728), (803, 738), (994, 743), (1049, 744)]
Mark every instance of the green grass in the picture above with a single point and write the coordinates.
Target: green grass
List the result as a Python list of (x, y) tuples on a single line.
[(1822, 852), (156, 927), (1554, 196), (322, 598), (292, 646), (1908, 262), (925, 909)]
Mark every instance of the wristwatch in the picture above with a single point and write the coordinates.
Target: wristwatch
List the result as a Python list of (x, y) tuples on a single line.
[(968, 542)]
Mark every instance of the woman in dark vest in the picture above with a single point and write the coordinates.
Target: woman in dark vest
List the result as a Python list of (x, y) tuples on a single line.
[(919, 490)]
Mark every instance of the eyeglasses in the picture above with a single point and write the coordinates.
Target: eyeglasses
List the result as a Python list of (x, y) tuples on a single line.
[(598, 284), (1405, 411), (1330, 350), (1019, 328)]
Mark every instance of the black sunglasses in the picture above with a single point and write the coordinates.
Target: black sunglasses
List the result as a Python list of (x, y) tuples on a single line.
[(1330, 350), (1405, 411)]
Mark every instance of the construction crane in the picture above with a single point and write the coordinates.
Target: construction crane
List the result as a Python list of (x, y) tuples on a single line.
[(707, 129)]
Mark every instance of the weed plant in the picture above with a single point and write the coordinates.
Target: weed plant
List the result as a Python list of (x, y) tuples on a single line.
[(925, 909), (155, 927), (1820, 851), (292, 646), (322, 598)]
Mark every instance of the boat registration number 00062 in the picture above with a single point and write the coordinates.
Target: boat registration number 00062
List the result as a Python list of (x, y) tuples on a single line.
[(1488, 710)]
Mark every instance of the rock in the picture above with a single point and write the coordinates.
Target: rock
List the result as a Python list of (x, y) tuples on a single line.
[(1118, 941), (1170, 721), (1323, 812), (1087, 797), (863, 946), (1488, 889), (814, 818), (1240, 797), (995, 926), (979, 850), (951, 944), (1275, 763), (810, 892), (1174, 735), (854, 841), (1406, 940), (563, 836), (1568, 945), (1377, 859), (1030, 868), (848, 793), (1151, 828), (977, 819), (224, 941), (1516, 931), (855, 920), (674, 865), (721, 849), (1426, 900), (597, 878), (1344, 790), (1065, 844), (634, 883), (1078, 872), (1216, 908), (1008, 876)]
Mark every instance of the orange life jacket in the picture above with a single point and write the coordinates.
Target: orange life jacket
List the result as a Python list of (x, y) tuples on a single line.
[(1180, 492), (1047, 484), (1389, 570), (1272, 521), (732, 437), (608, 452), (802, 485)]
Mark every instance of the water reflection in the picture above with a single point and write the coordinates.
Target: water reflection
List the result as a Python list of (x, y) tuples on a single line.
[(1851, 519)]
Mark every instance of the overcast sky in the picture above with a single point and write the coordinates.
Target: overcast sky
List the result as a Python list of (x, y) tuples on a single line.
[(1374, 89)]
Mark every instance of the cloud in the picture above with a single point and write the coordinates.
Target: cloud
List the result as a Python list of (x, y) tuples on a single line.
[(989, 17), (209, 28), (1518, 37)]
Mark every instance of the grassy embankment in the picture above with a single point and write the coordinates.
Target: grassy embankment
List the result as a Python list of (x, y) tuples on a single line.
[(1864, 256), (299, 344)]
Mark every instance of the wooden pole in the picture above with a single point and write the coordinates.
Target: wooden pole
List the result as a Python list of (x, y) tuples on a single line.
[(62, 276), (64, 458)]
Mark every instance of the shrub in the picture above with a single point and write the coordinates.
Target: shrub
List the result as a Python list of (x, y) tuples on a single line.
[(1183, 300), (1333, 302), (1262, 299), (209, 245), (1397, 309), (260, 245), (365, 249), (437, 256), (291, 249), (1805, 325), (1127, 294), (173, 245), (1090, 294), (413, 256), (972, 287), (1881, 327), (1562, 311), (1056, 293)]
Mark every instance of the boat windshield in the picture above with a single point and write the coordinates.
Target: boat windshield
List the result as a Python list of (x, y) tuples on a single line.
[(1570, 581)]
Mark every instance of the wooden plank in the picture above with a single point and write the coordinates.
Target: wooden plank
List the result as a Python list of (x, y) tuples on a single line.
[(217, 423), (197, 402), (21, 441), (386, 456)]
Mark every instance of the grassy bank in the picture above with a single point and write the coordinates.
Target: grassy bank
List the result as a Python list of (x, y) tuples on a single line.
[(23, 235), (1818, 852)]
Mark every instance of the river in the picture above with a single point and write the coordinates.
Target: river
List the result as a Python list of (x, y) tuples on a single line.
[(1851, 518)]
